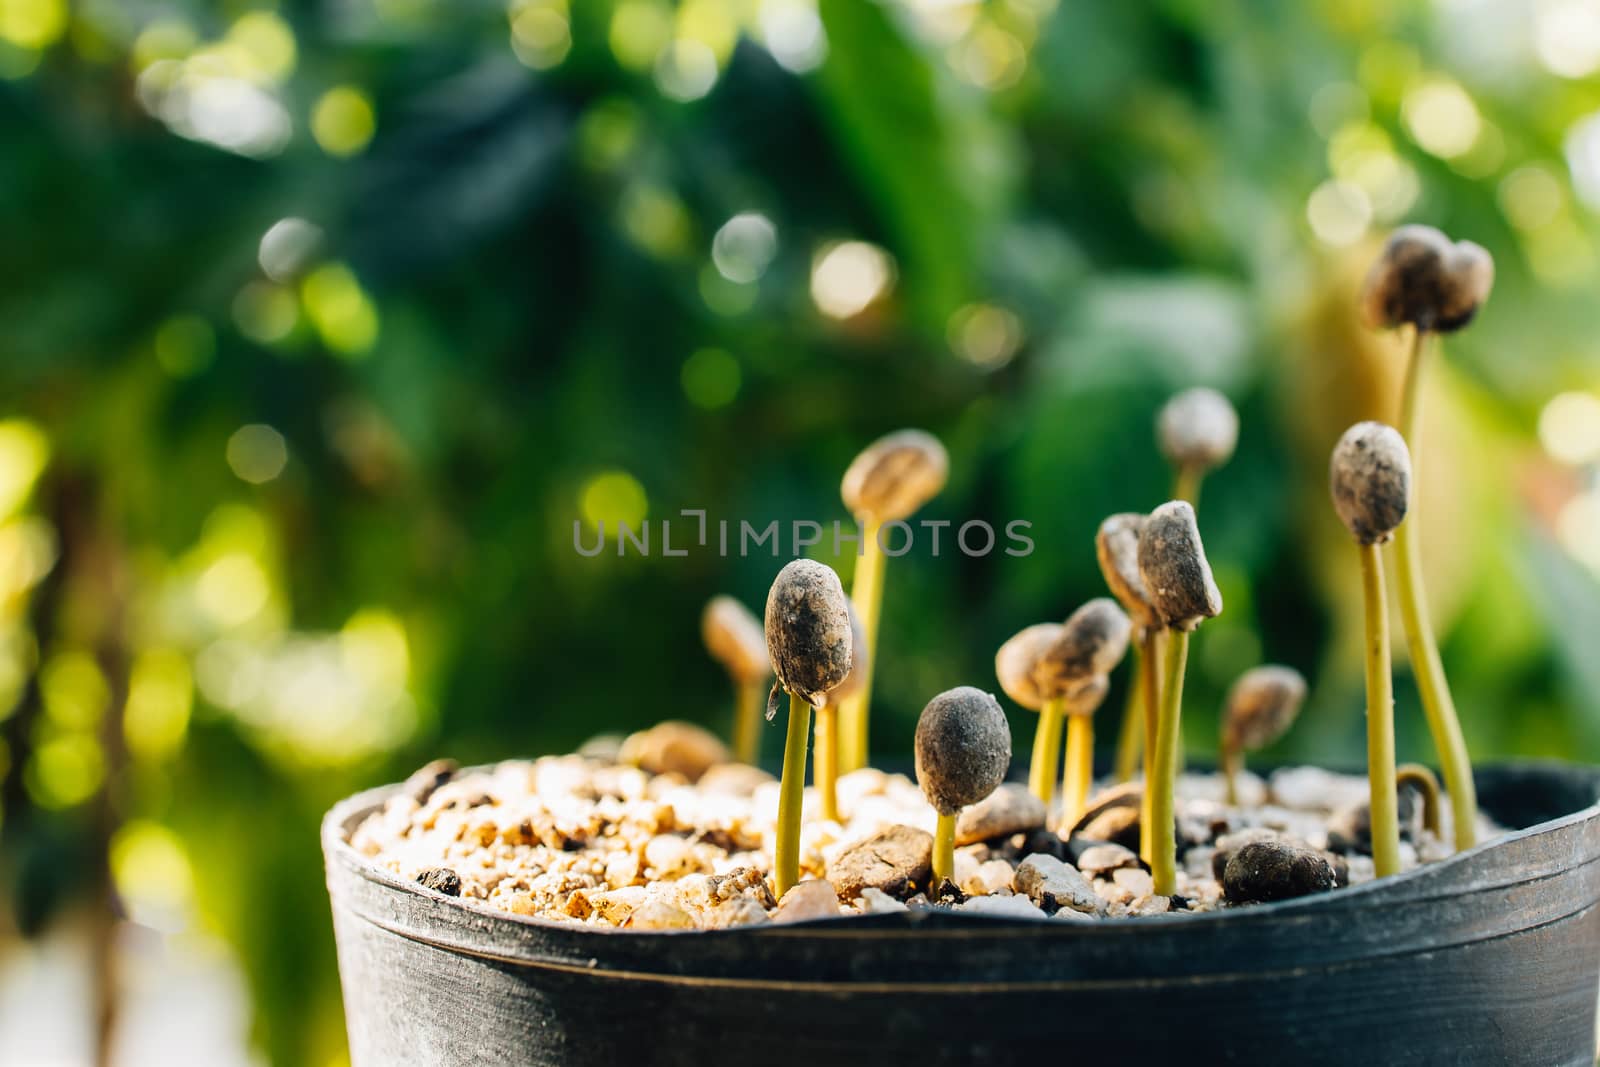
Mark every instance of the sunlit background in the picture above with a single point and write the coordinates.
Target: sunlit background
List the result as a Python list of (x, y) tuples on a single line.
[(321, 323)]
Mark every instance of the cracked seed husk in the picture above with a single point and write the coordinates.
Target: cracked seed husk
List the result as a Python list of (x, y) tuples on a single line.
[(1198, 429), (1014, 663), (1423, 279), (1370, 481), (1092, 642), (733, 636), (1173, 564), (1116, 546), (808, 630), (895, 475), (963, 748), (1262, 705)]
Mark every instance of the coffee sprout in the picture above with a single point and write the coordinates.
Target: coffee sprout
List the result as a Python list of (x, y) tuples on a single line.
[(1416, 776), (733, 636), (1423, 280), (1116, 546), (1260, 708), (888, 481), (825, 774), (1081, 704), (1092, 642), (1172, 562), (1197, 431), (963, 750), (1014, 665), (809, 643), (1370, 479)]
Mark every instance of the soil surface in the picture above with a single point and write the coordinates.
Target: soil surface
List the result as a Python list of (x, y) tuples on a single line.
[(582, 840)]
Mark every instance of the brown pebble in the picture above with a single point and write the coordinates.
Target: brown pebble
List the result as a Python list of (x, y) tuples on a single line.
[(895, 475), (1116, 546), (963, 748), (1172, 562), (808, 630), (733, 636), (1010, 809), (897, 860), (1423, 279), (1369, 477), (1014, 663), (1272, 870), (1262, 705), (440, 880)]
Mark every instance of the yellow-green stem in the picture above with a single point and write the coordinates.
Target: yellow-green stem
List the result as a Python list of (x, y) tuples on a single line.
[(1130, 737), (1426, 666), (866, 593), (1163, 807), (1046, 752), (944, 850), (1150, 682), (1380, 718), (1080, 768), (1232, 763), (791, 796), (1186, 486), (748, 701), (826, 770), (1422, 780)]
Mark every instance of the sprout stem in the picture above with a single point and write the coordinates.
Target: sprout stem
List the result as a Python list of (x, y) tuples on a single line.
[(1426, 665), (1232, 760), (866, 593), (944, 851), (1046, 751), (1149, 681), (1130, 738), (1080, 767), (748, 701), (791, 796), (825, 772), (1384, 802), (1163, 842), (1187, 485), (1420, 778)]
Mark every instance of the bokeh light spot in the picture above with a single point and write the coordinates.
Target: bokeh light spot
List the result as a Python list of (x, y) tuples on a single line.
[(286, 246), (152, 874), (743, 248), (24, 450), (342, 121), (340, 310), (655, 219), (1442, 118), (160, 700), (261, 47), (165, 38), (792, 31), (711, 378), (640, 29), (1338, 212), (686, 70), (33, 24), (74, 690), (540, 34), (374, 648), (848, 276), (1569, 428), (257, 453), (266, 313), (233, 590), (65, 770), (614, 497), (985, 335), (1578, 528), (1531, 197), (1566, 37)]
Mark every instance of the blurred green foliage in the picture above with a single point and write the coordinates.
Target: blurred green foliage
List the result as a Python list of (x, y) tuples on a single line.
[(324, 323)]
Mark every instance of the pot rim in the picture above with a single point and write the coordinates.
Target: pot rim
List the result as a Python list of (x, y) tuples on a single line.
[(1415, 885)]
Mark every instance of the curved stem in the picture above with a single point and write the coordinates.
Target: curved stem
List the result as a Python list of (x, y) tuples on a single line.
[(1232, 763), (1426, 665), (1080, 768), (1130, 736), (1150, 682), (791, 797), (1046, 752), (1380, 718), (1420, 778), (944, 852), (1163, 840), (825, 772), (866, 593), (747, 721)]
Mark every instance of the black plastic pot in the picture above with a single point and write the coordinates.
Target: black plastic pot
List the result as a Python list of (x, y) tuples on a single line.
[(1492, 957)]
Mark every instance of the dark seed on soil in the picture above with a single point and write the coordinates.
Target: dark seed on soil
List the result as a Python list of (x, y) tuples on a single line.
[(1271, 870), (441, 880)]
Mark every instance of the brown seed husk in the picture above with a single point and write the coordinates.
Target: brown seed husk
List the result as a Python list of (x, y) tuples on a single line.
[(1116, 545), (1423, 279), (1015, 661), (895, 475), (1173, 564), (1086, 697), (733, 636), (1262, 705), (963, 748), (857, 678), (1093, 640), (1198, 429), (1370, 480), (808, 630)]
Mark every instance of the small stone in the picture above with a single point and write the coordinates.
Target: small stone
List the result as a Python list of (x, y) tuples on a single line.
[(988, 878), (1135, 881), (1048, 842), (1097, 860), (877, 902), (622, 869), (1052, 884), (741, 881), (1011, 907), (1010, 809), (602, 748), (897, 860), (430, 776), (815, 899), (734, 780), (1153, 905), (673, 746), (1350, 828), (617, 905), (441, 880), (658, 914), (740, 911), (1118, 826), (1312, 788), (1271, 870), (668, 854)]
